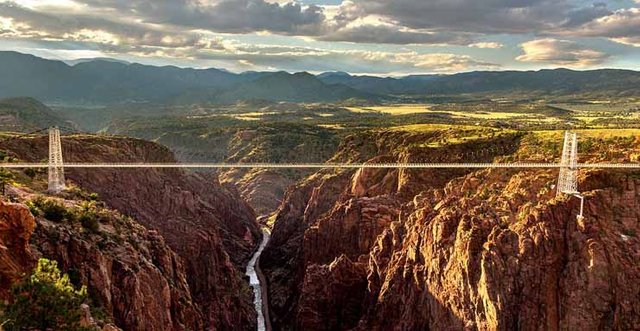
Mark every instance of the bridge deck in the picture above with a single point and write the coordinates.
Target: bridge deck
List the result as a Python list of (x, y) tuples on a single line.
[(325, 165)]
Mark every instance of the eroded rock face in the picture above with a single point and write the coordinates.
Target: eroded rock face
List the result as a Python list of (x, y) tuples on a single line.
[(131, 273), (208, 225), (542, 269), (122, 268), (453, 250), (262, 189), (16, 259)]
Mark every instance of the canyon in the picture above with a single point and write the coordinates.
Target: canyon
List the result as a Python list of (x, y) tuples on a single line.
[(372, 249)]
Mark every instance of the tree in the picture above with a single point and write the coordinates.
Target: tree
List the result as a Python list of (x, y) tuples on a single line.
[(46, 300), (5, 176)]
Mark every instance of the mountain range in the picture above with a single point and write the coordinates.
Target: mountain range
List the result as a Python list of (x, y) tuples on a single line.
[(107, 81)]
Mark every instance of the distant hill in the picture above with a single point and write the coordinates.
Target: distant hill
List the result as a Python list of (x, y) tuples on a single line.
[(102, 82), (298, 87), (107, 82), (604, 82), (556, 82), (27, 114), (381, 85)]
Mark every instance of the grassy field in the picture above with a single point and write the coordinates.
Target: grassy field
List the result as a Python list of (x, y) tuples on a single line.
[(402, 109), (461, 113), (591, 133)]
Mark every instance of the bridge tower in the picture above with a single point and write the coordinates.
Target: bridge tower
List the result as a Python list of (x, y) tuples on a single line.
[(56, 166), (567, 180), (568, 177)]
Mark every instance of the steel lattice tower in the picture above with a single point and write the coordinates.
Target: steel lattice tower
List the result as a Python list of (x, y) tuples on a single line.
[(56, 166), (567, 180)]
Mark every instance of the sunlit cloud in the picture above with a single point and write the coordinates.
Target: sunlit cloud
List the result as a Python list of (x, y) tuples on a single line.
[(491, 45), (620, 26), (560, 52)]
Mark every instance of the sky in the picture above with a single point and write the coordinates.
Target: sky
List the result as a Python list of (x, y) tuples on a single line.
[(377, 37)]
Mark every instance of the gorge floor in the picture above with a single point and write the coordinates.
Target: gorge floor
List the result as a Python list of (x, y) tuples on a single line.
[(257, 282)]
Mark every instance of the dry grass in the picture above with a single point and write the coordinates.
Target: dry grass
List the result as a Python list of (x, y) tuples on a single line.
[(401, 109), (589, 133)]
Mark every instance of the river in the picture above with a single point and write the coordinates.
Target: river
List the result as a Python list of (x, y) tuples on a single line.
[(254, 280)]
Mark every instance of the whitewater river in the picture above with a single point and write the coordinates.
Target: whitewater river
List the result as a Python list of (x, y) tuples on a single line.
[(254, 280)]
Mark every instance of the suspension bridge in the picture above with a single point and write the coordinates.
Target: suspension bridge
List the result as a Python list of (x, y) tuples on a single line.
[(567, 178)]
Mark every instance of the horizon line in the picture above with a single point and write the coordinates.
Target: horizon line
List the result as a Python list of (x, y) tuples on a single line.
[(312, 72)]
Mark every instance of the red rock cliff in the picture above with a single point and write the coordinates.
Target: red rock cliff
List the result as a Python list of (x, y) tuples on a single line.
[(16, 259), (452, 250), (209, 226), (123, 265)]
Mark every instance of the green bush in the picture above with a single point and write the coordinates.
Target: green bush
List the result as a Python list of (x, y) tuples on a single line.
[(89, 222), (93, 196), (89, 216), (53, 210), (35, 211), (46, 300)]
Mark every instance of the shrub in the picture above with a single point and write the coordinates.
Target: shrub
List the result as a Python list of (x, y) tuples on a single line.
[(53, 210), (89, 222), (89, 216), (35, 211), (30, 172), (93, 196), (46, 300)]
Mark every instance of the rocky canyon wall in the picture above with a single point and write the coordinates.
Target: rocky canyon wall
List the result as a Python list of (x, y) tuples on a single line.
[(455, 249), (209, 227)]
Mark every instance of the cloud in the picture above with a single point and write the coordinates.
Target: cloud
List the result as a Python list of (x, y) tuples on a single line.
[(492, 45), (621, 26), (135, 20), (584, 15), (293, 58), (203, 30), (560, 52), (631, 41), (429, 22), (443, 62), (23, 23), (389, 34), (495, 16), (233, 16)]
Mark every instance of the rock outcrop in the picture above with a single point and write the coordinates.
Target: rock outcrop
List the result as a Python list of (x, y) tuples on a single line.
[(122, 264), (130, 272), (16, 259)]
